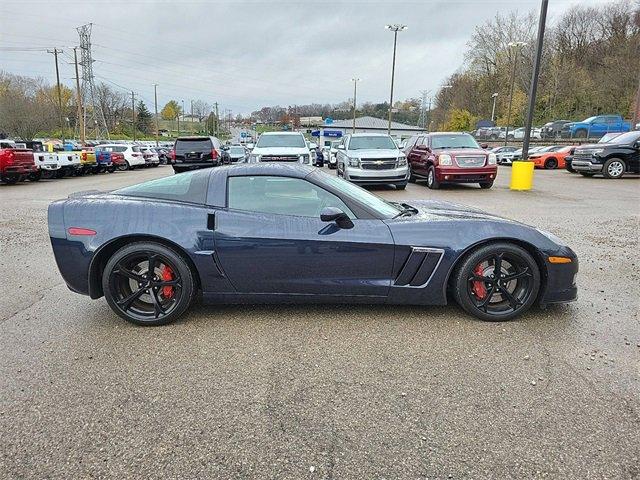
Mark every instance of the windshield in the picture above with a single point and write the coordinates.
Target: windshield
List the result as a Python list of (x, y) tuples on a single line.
[(236, 150), (294, 141), (453, 141), (372, 143), (589, 120), (381, 206), (607, 137), (626, 138)]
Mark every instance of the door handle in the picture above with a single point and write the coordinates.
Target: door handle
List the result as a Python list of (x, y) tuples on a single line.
[(211, 221)]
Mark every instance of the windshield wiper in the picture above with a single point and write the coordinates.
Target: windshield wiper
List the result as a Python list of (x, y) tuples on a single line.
[(405, 209)]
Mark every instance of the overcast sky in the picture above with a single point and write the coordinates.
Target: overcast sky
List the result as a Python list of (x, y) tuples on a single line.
[(248, 54)]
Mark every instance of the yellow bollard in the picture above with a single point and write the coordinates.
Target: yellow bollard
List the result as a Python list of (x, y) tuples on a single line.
[(521, 176)]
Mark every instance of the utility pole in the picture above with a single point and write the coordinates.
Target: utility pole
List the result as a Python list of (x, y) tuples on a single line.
[(55, 55), (636, 111), (217, 120), (133, 114), (155, 101), (427, 125), (355, 103), (534, 79), (183, 119), (395, 29), (81, 132), (511, 46), (493, 110), (191, 115)]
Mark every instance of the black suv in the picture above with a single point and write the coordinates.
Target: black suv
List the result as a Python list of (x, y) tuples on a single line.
[(613, 159), (190, 153)]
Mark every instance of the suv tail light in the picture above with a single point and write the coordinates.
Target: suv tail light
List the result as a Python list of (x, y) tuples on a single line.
[(172, 154), (214, 154)]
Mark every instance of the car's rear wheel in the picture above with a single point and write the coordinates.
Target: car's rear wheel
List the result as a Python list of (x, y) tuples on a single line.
[(613, 168), (497, 282), (551, 164), (147, 283), (432, 181)]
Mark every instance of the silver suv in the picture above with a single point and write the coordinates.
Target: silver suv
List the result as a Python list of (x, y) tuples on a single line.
[(372, 159)]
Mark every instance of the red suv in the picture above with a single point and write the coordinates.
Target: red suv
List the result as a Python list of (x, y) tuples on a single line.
[(450, 158)]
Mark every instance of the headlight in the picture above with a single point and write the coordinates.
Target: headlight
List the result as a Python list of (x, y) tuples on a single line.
[(354, 162), (402, 161), (492, 159), (553, 238), (445, 160), (254, 158), (304, 158)]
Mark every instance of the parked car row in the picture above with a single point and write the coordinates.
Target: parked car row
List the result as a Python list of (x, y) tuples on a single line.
[(29, 160), (592, 127), (613, 156)]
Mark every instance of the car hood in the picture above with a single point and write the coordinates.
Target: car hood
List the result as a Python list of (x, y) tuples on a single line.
[(437, 210), (590, 146), (374, 153), (280, 151)]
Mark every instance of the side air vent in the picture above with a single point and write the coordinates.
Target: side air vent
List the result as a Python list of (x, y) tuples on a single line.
[(419, 267)]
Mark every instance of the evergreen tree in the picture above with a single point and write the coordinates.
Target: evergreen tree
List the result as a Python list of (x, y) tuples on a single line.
[(143, 118)]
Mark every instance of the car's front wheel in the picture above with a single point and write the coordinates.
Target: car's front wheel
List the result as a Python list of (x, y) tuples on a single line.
[(147, 283), (551, 164), (432, 181), (497, 282), (613, 168)]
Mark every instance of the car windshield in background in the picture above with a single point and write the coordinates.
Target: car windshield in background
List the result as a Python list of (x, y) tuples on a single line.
[(626, 138), (268, 141), (453, 141), (372, 143), (378, 204), (236, 150), (195, 145)]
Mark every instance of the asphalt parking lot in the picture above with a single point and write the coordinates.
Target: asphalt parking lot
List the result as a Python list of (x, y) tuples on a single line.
[(328, 391)]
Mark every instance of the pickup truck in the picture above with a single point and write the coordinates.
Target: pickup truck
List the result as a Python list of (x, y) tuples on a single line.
[(595, 127), (16, 162), (612, 159)]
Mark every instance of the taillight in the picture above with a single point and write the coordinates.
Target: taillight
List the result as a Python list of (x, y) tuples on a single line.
[(214, 154), (9, 156), (172, 155), (84, 156), (80, 231)]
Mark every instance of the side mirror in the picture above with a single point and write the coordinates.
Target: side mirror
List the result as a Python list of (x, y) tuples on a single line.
[(334, 214)]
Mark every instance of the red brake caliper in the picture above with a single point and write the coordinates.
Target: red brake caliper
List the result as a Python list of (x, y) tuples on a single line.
[(479, 288), (167, 275)]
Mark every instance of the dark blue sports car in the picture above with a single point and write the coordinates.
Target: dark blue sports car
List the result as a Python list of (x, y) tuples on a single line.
[(264, 233)]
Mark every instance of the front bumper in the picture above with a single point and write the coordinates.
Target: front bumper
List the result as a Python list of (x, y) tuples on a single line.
[(561, 281), (466, 175), (193, 165), (585, 166), (376, 177)]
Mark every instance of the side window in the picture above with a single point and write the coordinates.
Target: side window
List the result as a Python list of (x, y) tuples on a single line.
[(187, 187), (281, 196)]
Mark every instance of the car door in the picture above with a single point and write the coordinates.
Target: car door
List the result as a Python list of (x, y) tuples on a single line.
[(271, 240), (419, 164)]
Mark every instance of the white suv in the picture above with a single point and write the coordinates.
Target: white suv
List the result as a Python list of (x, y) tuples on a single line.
[(281, 147), (132, 154), (372, 159)]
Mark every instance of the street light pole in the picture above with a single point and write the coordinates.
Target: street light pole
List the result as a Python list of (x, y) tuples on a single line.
[(511, 45), (395, 28), (155, 101), (534, 79), (355, 93), (493, 110)]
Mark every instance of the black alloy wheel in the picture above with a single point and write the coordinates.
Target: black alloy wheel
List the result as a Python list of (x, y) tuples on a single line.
[(551, 164), (497, 282), (148, 284)]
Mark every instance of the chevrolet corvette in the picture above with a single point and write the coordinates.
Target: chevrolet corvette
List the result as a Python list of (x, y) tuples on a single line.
[(290, 233)]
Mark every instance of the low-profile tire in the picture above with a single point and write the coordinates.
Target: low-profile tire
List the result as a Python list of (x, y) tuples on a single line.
[(614, 168), (486, 185), (123, 166), (551, 164), (432, 180), (477, 290), (12, 180), (401, 186), (148, 299), (587, 174)]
